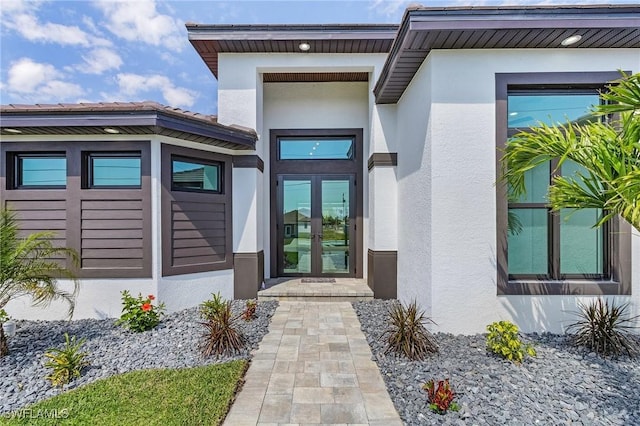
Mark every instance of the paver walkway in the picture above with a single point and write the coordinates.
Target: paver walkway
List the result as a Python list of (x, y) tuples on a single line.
[(313, 367)]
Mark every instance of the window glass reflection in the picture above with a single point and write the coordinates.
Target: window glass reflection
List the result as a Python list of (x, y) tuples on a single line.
[(115, 171), (530, 110), (316, 149), (42, 171)]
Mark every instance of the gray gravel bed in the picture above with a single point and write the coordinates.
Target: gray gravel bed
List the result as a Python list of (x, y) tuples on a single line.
[(562, 385), (113, 350)]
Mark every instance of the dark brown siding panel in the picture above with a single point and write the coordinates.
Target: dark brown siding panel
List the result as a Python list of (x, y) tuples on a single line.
[(109, 228), (108, 251), (196, 226), (39, 216)]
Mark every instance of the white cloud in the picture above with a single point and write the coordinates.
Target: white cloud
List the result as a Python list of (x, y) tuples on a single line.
[(389, 8), (39, 82), (139, 21), (133, 85), (21, 17), (99, 60)]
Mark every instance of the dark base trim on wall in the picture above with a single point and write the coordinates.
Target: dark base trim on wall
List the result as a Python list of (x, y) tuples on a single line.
[(382, 275), (248, 162), (248, 274), (380, 159)]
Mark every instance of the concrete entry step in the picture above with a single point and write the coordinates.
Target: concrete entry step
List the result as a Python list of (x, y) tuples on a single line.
[(316, 289)]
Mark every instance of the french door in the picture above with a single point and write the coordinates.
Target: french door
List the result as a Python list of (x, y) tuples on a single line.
[(315, 225)]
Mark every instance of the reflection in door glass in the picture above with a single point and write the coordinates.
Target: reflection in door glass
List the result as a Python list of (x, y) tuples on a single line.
[(297, 226), (335, 226)]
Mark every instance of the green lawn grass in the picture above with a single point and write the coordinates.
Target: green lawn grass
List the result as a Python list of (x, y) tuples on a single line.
[(189, 396)]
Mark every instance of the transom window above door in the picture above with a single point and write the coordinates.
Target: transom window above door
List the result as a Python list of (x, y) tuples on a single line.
[(315, 149)]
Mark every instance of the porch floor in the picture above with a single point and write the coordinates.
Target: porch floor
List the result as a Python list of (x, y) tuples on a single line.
[(316, 289)]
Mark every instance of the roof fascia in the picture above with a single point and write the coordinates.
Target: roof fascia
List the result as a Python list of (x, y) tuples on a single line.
[(156, 119), (290, 32), (507, 18)]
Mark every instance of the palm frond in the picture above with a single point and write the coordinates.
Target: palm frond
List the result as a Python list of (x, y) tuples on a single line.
[(608, 152), (32, 265)]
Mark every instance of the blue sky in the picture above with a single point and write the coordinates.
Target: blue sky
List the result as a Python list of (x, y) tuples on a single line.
[(105, 50)]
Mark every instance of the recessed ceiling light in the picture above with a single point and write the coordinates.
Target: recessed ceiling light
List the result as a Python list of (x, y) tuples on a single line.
[(571, 40), (304, 46), (111, 130), (14, 131)]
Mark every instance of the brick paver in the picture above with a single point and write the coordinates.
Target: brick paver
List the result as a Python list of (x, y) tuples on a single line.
[(313, 367)]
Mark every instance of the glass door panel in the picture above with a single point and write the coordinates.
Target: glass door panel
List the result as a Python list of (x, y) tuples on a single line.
[(296, 224), (335, 226)]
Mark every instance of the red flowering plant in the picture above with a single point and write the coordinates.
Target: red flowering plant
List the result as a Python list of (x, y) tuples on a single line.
[(139, 313), (441, 397)]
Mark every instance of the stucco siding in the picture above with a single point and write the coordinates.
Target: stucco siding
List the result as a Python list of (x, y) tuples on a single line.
[(447, 187)]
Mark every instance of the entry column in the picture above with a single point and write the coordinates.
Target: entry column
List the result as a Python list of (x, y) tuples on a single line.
[(248, 252)]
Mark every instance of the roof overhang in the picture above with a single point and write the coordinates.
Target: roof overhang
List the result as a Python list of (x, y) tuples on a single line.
[(210, 40), (125, 119), (425, 29)]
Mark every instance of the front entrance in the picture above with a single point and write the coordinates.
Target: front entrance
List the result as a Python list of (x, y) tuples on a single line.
[(316, 203), (315, 223)]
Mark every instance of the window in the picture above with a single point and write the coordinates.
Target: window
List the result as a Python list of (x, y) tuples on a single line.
[(114, 170), (315, 149), (544, 244), (194, 175), (540, 252), (47, 170)]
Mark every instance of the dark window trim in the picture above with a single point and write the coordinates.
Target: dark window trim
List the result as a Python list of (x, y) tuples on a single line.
[(15, 182), (204, 162), (619, 259), (87, 164), (323, 167), (168, 196), (74, 194)]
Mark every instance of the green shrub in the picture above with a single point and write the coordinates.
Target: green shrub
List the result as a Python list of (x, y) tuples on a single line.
[(221, 336), (441, 398), (67, 363), (503, 339), (209, 309), (604, 328), (407, 334), (138, 313)]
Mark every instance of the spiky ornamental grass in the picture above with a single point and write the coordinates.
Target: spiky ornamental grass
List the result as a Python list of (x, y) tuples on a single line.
[(221, 336), (407, 334), (605, 328)]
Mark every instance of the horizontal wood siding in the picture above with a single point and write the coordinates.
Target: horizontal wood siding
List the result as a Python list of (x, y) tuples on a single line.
[(196, 226), (109, 228), (108, 250), (41, 216)]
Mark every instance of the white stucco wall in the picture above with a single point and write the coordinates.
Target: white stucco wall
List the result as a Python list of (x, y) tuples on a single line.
[(447, 203), (243, 99)]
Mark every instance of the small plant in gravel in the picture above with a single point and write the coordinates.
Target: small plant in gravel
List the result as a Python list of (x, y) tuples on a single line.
[(605, 328), (221, 336), (209, 309), (504, 339), (4, 346), (407, 334), (138, 313), (67, 363), (441, 398), (249, 310)]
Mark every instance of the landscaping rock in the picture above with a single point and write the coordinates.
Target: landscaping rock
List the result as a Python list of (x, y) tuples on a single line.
[(562, 385), (113, 350)]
